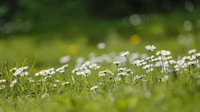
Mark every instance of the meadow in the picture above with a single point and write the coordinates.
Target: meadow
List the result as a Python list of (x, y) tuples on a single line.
[(131, 68)]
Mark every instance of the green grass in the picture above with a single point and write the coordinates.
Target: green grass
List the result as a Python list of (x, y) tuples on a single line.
[(42, 48), (179, 93)]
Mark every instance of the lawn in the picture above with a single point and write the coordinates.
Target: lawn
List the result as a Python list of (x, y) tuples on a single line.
[(50, 71)]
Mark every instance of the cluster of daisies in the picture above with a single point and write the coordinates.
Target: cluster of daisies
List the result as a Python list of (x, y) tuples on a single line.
[(120, 66)]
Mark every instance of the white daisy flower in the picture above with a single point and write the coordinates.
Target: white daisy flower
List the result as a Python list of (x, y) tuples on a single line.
[(13, 69), (101, 45), (65, 83), (13, 83), (2, 80), (54, 85), (150, 47), (86, 72), (101, 74), (116, 63), (125, 53), (165, 78), (94, 87), (192, 51), (121, 69), (2, 87)]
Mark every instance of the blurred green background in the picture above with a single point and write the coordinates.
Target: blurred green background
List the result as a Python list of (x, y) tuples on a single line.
[(45, 30)]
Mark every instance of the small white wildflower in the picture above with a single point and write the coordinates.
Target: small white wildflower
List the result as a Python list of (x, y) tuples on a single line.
[(2, 87), (138, 77), (165, 78), (13, 69), (57, 81), (116, 63), (61, 71), (192, 51), (75, 70), (172, 61), (54, 85), (101, 45), (138, 62), (79, 73), (121, 69), (147, 66), (94, 87), (129, 71), (2, 80), (24, 74), (31, 80), (94, 66), (83, 68), (65, 59), (165, 52), (150, 47), (13, 83), (65, 83), (101, 74), (149, 70), (87, 63), (122, 74), (25, 67), (65, 66), (125, 53), (117, 79), (86, 72)]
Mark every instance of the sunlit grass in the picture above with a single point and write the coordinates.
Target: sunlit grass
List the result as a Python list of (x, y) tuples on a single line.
[(87, 90)]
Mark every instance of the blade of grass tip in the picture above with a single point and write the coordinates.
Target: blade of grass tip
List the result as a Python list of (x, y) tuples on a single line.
[(7, 69), (1, 72), (24, 62), (32, 67)]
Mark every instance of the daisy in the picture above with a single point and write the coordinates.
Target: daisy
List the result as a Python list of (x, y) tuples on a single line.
[(2, 87), (65, 83), (125, 53), (94, 87), (192, 51), (116, 63), (13, 83), (150, 47), (2, 80)]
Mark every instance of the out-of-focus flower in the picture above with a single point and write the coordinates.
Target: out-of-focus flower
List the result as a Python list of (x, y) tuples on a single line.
[(65, 59), (101, 45), (122, 74), (163, 52), (94, 66), (125, 53), (65, 83), (135, 39), (62, 69), (150, 47), (165, 78), (192, 51), (116, 63), (86, 73), (121, 69), (73, 49), (94, 87), (13, 83), (135, 19), (2, 80), (2, 87), (13, 69)]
